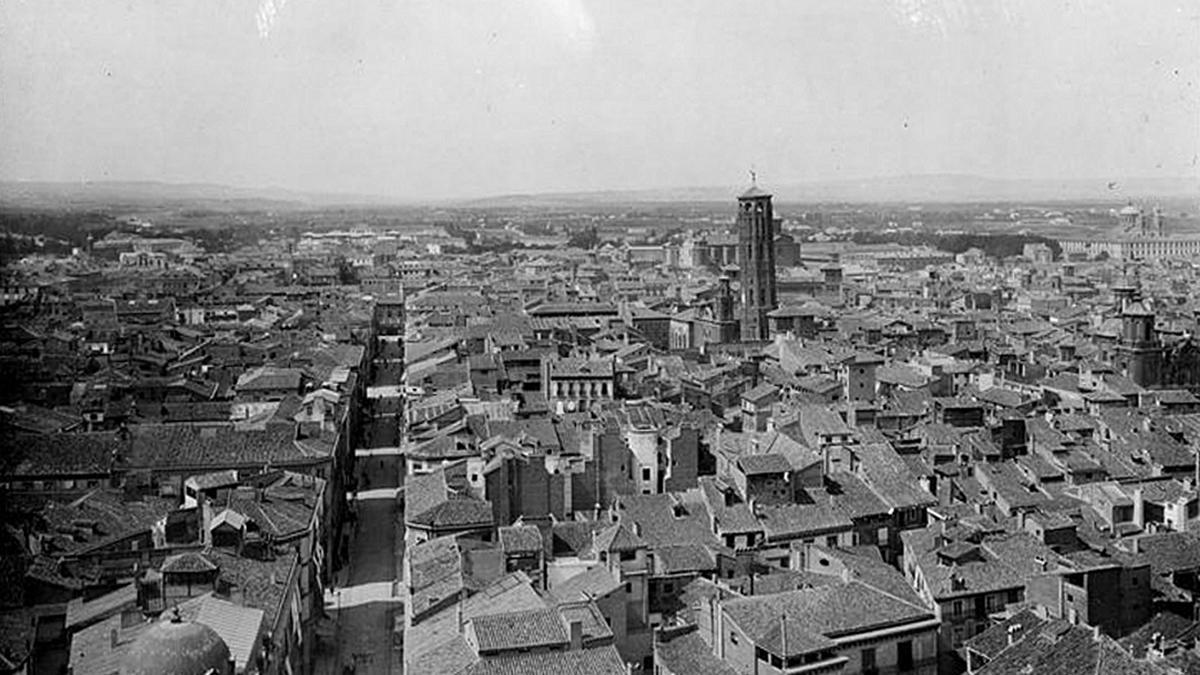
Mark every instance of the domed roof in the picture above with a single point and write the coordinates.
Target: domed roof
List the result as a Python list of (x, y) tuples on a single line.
[(177, 648), (1130, 210)]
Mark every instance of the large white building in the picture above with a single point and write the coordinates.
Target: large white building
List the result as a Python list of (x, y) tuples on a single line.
[(1140, 238)]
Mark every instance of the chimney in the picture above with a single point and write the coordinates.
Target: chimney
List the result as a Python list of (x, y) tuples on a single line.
[(576, 635), (1139, 507)]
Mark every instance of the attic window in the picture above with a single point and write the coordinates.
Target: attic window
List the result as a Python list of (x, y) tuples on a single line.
[(678, 511)]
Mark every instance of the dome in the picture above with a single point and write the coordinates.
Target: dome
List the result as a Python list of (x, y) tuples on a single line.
[(177, 648)]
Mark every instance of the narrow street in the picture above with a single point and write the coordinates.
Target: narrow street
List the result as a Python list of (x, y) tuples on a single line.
[(363, 602)]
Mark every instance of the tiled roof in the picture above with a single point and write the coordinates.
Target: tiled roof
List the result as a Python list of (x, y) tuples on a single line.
[(455, 513), (996, 639), (805, 620), (1002, 562), (596, 661), (617, 537), (596, 582), (760, 393), (81, 612), (890, 478), (432, 501), (520, 539), (793, 520), (689, 653), (450, 657), (664, 520), (684, 558), (753, 465), (1058, 648), (262, 583), (1170, 552), (168, 446), (820, 421), (65, 454), (239, 627), (855, 498), (435, 572), (276, 511), (267, 378), (110, 514), (519, 630)]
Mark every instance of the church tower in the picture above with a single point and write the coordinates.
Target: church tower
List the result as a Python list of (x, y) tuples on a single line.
[(756, 243), (1139, 346)]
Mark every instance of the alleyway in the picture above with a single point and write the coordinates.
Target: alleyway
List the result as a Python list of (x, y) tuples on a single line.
[(363, 602)]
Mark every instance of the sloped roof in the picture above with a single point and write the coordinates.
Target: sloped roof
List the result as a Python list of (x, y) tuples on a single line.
[(520, 539), (526, 629), (617, 537), (802, 621), (596, 661)]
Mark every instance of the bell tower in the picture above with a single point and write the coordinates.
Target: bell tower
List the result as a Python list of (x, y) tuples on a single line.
[(756, 244), (1139, 346)]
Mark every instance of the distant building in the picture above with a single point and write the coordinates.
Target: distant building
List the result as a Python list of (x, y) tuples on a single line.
[(1139, 238), (756, 239)]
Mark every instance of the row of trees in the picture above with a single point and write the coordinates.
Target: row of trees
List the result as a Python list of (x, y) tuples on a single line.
[(994, 245)]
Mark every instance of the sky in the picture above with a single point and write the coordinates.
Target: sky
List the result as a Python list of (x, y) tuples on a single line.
[(418, 99)]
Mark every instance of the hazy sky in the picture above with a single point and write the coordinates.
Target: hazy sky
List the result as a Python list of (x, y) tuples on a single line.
[(439, 98)]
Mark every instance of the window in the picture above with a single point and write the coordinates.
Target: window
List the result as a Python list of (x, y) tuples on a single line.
[(904, 655), (645, 473), (993, 603), (831, 541), (868, 660), (957, 610), (733, 638)]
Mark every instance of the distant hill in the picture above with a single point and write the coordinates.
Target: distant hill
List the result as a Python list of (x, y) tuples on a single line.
[(912, 189), (945, 188), (151, 194)]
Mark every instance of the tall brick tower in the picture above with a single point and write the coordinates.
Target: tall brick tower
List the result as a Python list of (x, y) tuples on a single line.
[(1139, 347), (756, 243)]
